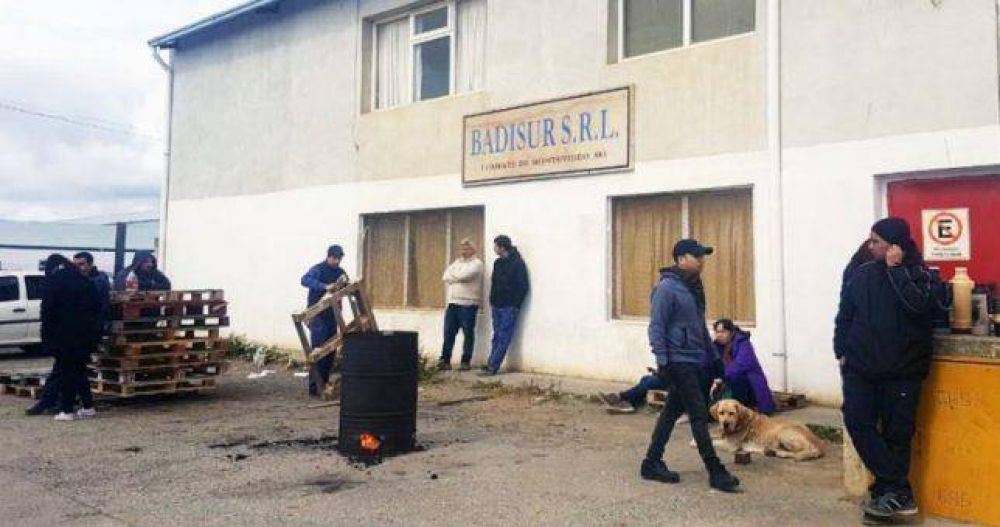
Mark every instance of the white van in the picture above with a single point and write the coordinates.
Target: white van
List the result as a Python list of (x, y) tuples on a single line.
[(20, 309)]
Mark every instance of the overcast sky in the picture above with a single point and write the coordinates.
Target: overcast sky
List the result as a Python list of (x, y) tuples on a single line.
[(84, 61)]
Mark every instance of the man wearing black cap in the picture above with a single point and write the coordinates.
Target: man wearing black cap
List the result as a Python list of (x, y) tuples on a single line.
[(323, 327), (678, 334), (883, 340)]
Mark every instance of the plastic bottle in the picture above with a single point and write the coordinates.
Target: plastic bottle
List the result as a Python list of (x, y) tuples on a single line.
[(961, 286), (131, 282)]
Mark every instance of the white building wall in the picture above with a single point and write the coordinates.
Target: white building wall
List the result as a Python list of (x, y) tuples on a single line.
[(273, 162)]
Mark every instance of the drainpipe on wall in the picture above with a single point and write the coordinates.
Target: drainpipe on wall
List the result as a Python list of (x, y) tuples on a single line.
[(161, 250), (775, 154)]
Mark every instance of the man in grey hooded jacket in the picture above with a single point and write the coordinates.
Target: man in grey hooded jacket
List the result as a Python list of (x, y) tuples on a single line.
[(678, 334)]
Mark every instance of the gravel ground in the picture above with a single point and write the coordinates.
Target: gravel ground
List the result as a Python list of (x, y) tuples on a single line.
[(254, 453)]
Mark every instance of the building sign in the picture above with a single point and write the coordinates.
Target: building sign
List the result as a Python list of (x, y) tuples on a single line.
[(946, 234), (575, 135)]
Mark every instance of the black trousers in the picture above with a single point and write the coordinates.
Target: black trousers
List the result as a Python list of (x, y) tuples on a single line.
[(685, 395), (881, 417), (73, 383)]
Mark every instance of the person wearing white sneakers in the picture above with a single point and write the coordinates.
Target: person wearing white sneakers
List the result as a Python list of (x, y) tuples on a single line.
[(70, 312)]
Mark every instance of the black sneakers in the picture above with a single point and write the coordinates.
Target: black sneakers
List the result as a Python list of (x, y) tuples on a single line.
[(889, 505), (37, 409), (658, 471), (465, 367), (444, 366), (720, 479)]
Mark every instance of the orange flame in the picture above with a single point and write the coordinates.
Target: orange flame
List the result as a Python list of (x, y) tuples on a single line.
[(369, 442)]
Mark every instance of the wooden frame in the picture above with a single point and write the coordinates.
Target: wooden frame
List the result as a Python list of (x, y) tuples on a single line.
[(363, 321)]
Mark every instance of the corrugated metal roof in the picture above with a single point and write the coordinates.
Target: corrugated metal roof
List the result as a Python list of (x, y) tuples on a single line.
[(170, 40)]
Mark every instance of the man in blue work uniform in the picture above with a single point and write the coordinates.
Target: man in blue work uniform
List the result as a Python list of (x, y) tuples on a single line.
[(324, 326)]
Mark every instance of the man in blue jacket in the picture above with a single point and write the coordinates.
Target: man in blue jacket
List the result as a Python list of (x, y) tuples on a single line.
[(324, 326), (679, 337)]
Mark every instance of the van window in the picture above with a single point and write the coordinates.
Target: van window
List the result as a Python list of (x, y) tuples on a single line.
[(9, 289), (35, 286)]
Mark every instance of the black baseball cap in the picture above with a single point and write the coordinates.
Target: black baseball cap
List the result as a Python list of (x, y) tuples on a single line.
[(335, 251), (692, 247)]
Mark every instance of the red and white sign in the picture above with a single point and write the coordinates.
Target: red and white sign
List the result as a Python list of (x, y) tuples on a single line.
[(946, 235)]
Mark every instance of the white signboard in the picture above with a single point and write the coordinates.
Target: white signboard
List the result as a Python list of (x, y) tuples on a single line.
[(575, 135), (946, 235)]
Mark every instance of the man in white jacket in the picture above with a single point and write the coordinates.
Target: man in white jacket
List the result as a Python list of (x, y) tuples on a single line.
[(464, 279)]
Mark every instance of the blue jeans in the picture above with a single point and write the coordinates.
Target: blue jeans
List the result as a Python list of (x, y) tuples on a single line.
[(320, 331), (504, 324), (459, 317), (636, 395)]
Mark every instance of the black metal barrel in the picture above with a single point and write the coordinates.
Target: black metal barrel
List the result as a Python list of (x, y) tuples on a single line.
[(378, 397)]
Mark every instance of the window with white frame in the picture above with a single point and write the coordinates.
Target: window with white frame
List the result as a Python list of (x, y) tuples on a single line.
[(648, 26), (431, 52)]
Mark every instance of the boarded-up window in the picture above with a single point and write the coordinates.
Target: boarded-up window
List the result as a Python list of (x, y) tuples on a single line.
[(724, 220), (406, 253), (645, 229)]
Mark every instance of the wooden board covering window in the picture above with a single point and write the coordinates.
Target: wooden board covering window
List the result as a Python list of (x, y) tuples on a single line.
[(724, 220), (467, 223), (428, 258), (385, 253), (403, 267), (644, 231)]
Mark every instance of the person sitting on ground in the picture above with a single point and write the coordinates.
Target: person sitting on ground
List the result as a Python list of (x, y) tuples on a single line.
[(142, 275), (742, 377), (630, 400)]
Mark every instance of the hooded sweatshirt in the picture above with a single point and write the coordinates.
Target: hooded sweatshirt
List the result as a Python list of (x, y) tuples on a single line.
[(152, 280), (677, 329)]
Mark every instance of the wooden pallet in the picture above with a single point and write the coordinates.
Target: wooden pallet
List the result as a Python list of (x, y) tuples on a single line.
[(156, 324), (33, 392), (788, 401), (25, 378), (169, 336), (194, 358), (174, 347), (656, 398), (151, 387), (164, 373), (189, 295)]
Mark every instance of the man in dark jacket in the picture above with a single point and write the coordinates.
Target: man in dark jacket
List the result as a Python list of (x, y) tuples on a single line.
[(678, 334), (84, 261), (147, 276), (883, 342), (323, 327), (70, 313), (507, 292)]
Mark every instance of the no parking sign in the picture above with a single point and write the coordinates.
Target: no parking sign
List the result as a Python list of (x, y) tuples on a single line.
[(946, 234)]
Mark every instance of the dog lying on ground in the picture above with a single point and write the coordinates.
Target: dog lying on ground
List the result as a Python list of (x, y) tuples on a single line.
[(741, 428)]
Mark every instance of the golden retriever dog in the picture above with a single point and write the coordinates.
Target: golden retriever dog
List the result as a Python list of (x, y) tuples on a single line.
[(741, 428)]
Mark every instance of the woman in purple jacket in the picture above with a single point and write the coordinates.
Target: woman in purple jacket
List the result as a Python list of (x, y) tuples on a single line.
[(743, 376)]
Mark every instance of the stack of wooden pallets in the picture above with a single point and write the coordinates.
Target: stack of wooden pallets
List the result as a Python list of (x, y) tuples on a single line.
[(162, 342), (24, 383)]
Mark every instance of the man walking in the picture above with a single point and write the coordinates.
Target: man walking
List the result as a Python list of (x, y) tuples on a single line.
[(507, 292), (323, 327), (679, 337), (883, 341), (464, 279)]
